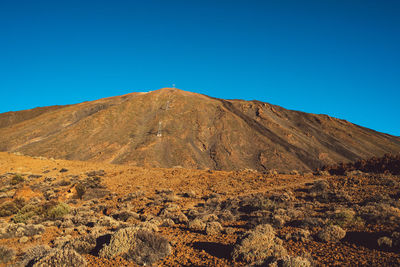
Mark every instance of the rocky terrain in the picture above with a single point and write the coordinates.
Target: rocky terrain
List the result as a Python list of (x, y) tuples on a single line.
[(387, 164), (76, 213), (170, 127)]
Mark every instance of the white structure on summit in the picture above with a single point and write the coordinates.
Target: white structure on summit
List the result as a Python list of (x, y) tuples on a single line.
[(159, 134)]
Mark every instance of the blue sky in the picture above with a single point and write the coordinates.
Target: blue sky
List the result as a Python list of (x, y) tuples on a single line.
[(336, 57)]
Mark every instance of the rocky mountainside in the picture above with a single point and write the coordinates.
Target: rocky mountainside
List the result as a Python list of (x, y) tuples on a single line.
[(170, 127)]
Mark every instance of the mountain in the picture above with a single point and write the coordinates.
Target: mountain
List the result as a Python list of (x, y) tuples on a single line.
[(170, 127)]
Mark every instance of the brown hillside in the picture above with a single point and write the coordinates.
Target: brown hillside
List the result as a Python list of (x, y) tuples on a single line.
[(171, 127)]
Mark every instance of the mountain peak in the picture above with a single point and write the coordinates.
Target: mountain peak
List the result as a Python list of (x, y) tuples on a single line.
[(171, 127)]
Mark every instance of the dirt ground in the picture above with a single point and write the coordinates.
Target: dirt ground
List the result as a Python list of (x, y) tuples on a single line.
[(148, 191)]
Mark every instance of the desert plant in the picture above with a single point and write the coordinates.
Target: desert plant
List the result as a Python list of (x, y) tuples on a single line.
[(19, 202), (343, 217), (213, 228), (6, 254), (16, 179), (33, 229), (380, 213), (8, 208), (26, 213), (174, 213), (120, 243), (150, 248), (196, 225), (320, 186), (291, 261), (82, 245), (58, 211), (80, 190), (258, 245), (64, 182), (300, 235), (331, 233), (385, 242), (61, 257), (138, 244), (12, 230)]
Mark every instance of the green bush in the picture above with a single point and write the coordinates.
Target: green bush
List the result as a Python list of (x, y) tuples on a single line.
[(26, 213), (343, 217), (58, 211), (17, 179), (346, 218)]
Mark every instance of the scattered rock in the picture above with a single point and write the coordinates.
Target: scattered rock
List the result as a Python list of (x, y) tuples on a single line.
[(23, 239)]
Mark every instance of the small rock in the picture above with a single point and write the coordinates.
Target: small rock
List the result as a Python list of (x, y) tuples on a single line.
[(23, 239), (229, 230)]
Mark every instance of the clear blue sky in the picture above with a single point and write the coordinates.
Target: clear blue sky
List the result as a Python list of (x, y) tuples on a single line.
[(337, 57)]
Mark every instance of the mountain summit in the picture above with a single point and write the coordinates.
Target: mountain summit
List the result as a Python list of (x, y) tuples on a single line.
[(170, 127)]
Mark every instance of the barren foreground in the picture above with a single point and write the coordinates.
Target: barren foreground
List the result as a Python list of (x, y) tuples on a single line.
[(75, 213)]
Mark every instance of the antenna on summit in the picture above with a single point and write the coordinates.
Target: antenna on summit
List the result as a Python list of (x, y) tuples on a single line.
[(159, 134)]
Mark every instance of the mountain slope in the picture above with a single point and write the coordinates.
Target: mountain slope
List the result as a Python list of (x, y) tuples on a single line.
[(171, 127)]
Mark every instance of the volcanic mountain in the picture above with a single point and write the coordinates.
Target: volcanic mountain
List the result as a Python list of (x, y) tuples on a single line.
[(170, 127)]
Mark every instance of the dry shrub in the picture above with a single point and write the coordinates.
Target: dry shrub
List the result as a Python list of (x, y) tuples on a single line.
[(331, 233), (63, 182), (346, 217), (294, 261), (385, 242), (8, 209), (60, 257), (12, 230), (299, 235), (34, 254), (213, 228), (80, 190), (6, 254), (197, 225), (174, 213), (380, 213), (258, 245), (17, 179), (149, 249), (82, 245), (137, 244), (320, 186)]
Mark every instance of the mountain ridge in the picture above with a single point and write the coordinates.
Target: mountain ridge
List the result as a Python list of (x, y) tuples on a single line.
[(171, 127)]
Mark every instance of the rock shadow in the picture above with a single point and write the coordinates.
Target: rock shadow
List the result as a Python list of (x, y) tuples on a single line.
[(100, 242), (218, 250), (365, 239)]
